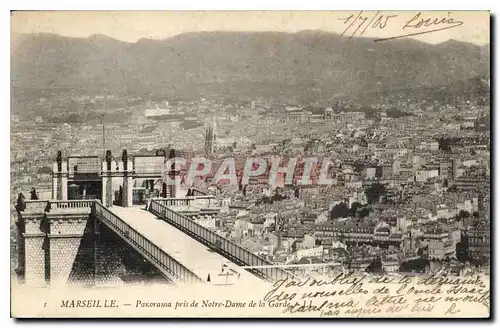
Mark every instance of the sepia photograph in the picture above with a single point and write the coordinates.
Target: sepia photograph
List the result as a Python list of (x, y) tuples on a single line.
[(257, 164)]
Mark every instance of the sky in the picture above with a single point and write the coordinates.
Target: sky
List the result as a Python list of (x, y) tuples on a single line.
[(130, 26)]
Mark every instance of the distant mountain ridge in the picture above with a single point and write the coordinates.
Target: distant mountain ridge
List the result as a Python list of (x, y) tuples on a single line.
[(307, 65)]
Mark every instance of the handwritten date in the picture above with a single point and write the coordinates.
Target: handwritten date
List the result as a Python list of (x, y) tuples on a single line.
[(356, 22), (418, 24)]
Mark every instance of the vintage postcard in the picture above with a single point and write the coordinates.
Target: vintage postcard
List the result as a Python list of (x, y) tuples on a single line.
[(250, 164)]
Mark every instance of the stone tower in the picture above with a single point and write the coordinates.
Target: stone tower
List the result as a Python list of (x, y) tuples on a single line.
[(107, 179), (128, 182), (48, 242), (60, 178)]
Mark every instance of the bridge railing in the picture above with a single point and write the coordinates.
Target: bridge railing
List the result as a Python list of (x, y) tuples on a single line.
[(206, 201), (78, 203), (47, 205), (196, 192), (155, 253), (221, 244)]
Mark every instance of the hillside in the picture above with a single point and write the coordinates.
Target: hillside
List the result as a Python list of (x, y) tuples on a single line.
[(476, 89), (306, 66)]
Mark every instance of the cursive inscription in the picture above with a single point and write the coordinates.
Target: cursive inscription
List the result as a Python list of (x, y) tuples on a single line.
[(350, 295), (418, 24)]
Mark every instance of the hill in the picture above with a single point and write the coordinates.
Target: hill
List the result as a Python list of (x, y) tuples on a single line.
[(475, 89), (308, 66)]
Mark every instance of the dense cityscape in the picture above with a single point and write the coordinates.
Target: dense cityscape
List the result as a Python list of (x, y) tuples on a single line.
[(411, 177)]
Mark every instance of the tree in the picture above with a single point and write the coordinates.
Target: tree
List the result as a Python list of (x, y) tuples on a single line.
[(264, 200), (277, 196), (462, 215), (374, 192), (444, 144), (340, 211), (354, 208), (364, 212), (397, 113)]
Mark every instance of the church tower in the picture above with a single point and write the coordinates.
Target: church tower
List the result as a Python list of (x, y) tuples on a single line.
[(210, 137)]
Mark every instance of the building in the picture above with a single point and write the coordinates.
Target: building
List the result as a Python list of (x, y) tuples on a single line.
[(424, 175), (441, 249), (478, 238), (156, 112), (130, 181), (358, 233), (369, 173)]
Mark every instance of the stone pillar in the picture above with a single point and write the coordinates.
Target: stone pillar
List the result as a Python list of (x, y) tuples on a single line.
[(125, 192), (175, 189), (64, 181), (116, 180), (32, 224), (20, 248), (109, 191), (66, 230), (54, 181), (104, 180), (175, 179), (128, 185), (107, 182), (130, 188), (34, 265), (127, 171)]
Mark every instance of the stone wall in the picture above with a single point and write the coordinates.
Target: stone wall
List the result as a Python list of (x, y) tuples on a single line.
[(70, 246)]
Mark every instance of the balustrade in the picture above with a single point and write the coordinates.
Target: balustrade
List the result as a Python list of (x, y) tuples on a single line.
[(152, 251), (222, 244)]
